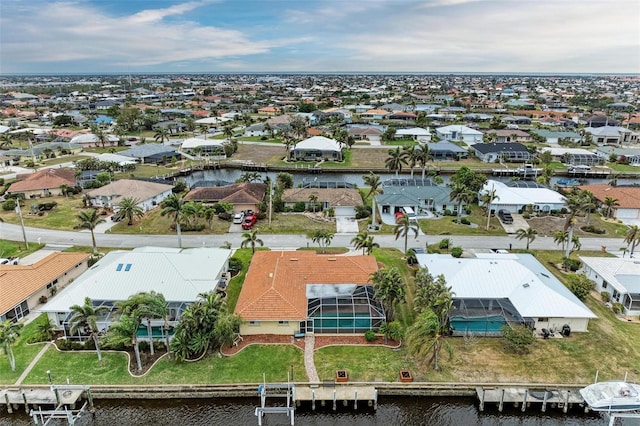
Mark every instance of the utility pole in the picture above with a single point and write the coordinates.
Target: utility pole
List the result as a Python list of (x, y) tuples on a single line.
[(270, 200), (24, 234)]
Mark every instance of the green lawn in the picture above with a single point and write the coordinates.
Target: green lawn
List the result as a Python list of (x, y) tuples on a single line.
[(14, 248), (23, 353), (245, 367), (235, 286), (363, 363), (61, 217), (294, 223)]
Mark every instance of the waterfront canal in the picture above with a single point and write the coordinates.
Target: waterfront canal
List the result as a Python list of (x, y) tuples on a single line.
[(392, 411)]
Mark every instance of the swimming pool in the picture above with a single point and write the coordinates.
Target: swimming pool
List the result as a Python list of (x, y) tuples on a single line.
[(478, 325)]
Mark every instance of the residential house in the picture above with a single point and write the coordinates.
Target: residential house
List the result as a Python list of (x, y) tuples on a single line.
[(629, 156), (493, 290), (509, 135), (423, 199), (374, 114), (23, 287), (445, 150), (148, 194), (573, 156), (244, 196), (553, 137), (365, 132), (459, 133), (492, 152), (316, 148), (291, 292), (153, 153), (180, 275), (43, 183), (208, 147), (628, 200), (619, 277), (515, 196), (342, 200), (414, 133), (612, 135), (269, 110)]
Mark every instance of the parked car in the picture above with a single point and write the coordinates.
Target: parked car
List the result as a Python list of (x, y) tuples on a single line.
[(505, 217), (237, 218), (9, 261), (249, 221)]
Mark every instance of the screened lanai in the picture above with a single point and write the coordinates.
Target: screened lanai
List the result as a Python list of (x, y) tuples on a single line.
[(483, 317), (342, 308)]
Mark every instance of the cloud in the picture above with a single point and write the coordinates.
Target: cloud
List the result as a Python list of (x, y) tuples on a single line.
[(72, 31)]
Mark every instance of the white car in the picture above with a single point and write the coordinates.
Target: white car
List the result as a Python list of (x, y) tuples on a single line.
[(11, 261), (237, 219)]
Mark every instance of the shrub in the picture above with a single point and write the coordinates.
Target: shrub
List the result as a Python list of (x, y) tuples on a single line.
[(526, 215), (517, 339), (456, 252), (467, 211), (563, 210), (9, 205), (605, 296), (617, 307), (593, 230), (363, 212), (235, 264), (47, 206), (448, 212), (580, 285), (299, 206), (196, 227), (465, 221), (263, 138), (571, 264), (370, 336)]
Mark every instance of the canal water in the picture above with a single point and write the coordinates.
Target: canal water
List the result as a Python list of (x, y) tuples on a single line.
[(392, 411)]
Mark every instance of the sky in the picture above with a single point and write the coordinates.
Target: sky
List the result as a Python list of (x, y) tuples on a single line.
[(218, 36)]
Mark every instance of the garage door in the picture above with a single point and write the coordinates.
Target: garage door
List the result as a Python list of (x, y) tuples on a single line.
[(345, 211)]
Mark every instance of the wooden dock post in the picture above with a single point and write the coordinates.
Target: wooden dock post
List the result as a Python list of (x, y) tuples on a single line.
[(375, 399), (501, 404), (355, 400), (566, 403), (524, 400), (313, 400), (90, 399), (481, 408), (24, 398), (9, 408), (544, 401), (334, 400)]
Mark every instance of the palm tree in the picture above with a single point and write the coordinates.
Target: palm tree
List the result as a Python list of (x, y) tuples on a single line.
[(173, 205), (9, 333), (610, 203), (459, 194), (389, 289), (322, 238), (128, 208), (313, 199), (529, 234), (396, 159), (423, 159), (487, 199), (251, 239), (360, 241), (405, 226), (151, 306), (85, 319), (89, 219), (561, 237), (632, 238), (372, 180), (412, 155), (161, 134), (426, 335), (125, 331), (574, 202)]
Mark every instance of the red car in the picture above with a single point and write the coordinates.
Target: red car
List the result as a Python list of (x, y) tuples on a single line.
[(249, 221)]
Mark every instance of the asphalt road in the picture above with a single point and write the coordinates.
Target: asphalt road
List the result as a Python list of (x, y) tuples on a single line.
[(55, 237)]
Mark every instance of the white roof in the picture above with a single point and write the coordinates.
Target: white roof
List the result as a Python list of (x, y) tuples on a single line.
[(90, 138), (414, 131), (532, 289), (196, 142), (521, 196), (556, 152), (4, 129), (180, 275), (458, 128), (320, 143), (212, 120), (115, 158), (622, 274)]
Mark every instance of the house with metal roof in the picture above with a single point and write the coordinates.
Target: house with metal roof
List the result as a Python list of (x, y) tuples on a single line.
[(620, 277), (459, 133), (316, 148), (24, 287), (205, 146), (179, 274), (445, 150), (152, 153), (490, 152), (492, 290), (424, 198), (515, 196), (552, 137), (290, 292)]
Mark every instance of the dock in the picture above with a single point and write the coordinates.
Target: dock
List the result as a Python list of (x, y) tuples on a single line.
[(333, 394), (525, 397), (14, 398)]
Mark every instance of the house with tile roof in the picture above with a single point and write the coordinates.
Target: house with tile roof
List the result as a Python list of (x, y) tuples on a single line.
[(628, 208), (244, 196), (43, 183), (620, 277), (148, 194), (290, 292), (492, 290), (23, 286), (345, 199), (612, 135)]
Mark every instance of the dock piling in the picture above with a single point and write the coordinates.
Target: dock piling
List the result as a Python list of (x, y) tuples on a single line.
[(501, 404), (24, 398), (524, 400), (334, 400), (9, 408), (481, 407), (544, 401), (355, 400)]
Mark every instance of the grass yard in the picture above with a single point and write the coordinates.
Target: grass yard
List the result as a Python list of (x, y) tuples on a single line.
[(148, 171), (23, 353), (447, 225), (58, 218), (294, 223), (14, 248), (154, 223), (245, 367), (363, 363), (235, 286)]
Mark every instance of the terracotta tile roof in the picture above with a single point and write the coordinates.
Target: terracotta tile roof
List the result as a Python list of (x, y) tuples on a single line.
[(275, 286), (18, 282), (237, 193), (628, 197), (336, 197), (45, 179)]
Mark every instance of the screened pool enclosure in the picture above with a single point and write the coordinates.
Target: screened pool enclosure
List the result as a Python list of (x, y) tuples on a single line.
[(483, 317), (342, 308)]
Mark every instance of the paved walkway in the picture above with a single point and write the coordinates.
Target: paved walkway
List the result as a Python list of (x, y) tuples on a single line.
[(309, 363), (33, 363)]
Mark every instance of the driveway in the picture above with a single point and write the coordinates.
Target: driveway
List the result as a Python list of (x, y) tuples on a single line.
[(346, 220), (518, 223)]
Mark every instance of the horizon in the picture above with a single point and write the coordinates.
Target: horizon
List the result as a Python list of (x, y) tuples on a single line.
[(475, 37)]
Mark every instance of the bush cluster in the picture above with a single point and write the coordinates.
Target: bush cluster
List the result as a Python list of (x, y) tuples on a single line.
[(593, 230), (370, 335), (571, 264)]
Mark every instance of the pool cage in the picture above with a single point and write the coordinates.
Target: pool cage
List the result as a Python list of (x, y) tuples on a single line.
[(484, 317), (111, 315), (342, 308)]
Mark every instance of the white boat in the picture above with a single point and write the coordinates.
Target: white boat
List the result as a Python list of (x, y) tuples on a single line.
[(612, 396)]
